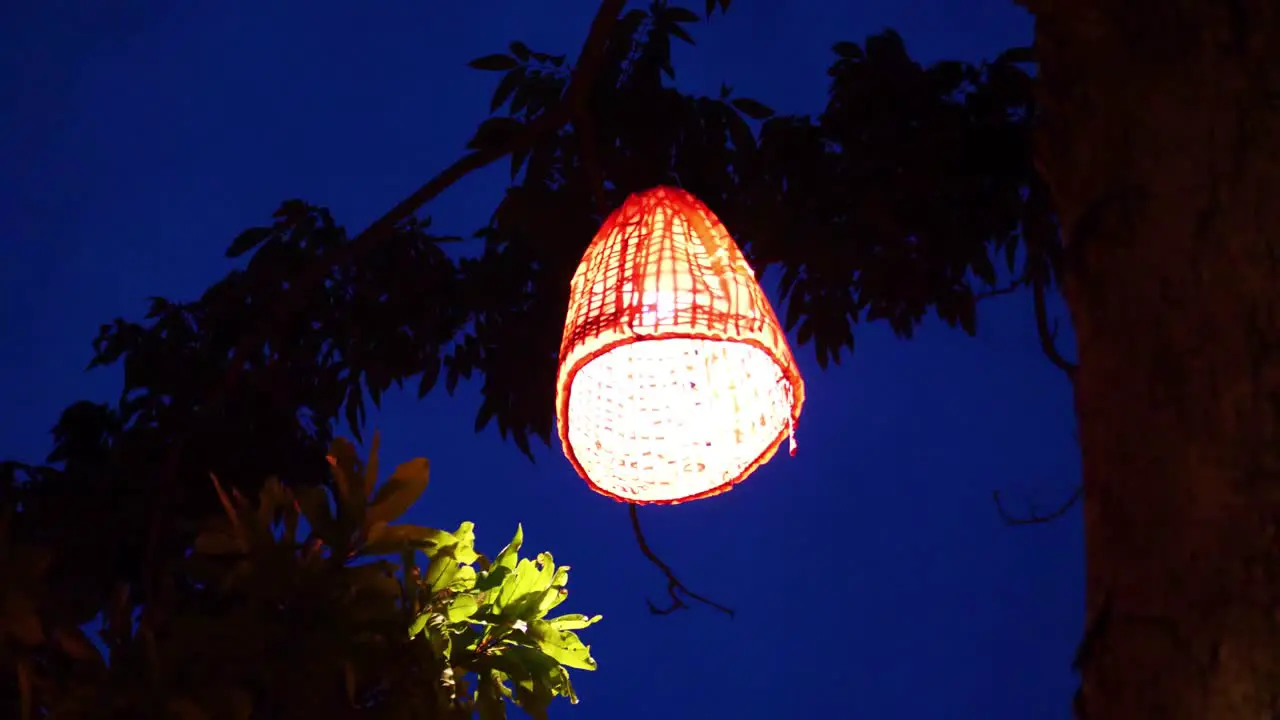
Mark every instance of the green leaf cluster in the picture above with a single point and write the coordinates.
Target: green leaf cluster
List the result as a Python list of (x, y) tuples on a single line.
[(303, 603)]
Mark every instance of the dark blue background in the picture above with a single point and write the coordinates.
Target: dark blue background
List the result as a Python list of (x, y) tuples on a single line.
[(872, 576)]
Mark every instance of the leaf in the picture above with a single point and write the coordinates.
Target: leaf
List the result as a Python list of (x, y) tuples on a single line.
[(371, 468), (462, 607), (24, 690), (387, 539), (848, 50), (508, 556), (227, 507), (562, 645), (441, 570), (491, 579), (76, 645), (574, 621), (349, 678), (346, 470), (679, 14), (418, 624), (520, 50), (752, 109), (399, 492), (1017, 55), (248, 240), (465, 550), (506, 86), (495, 62), (220, 541), (680, 33), (430, 373), (523, 590), (517, 161), (488, 698), (464, 580), (313, 500)]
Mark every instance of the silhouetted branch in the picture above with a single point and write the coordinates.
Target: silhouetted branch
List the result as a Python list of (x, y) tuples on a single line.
[(674, 587), (1049, 336), (1034, 518), (580, 81)]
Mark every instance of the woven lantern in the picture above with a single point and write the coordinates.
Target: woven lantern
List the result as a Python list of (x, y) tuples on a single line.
[(676, 381)]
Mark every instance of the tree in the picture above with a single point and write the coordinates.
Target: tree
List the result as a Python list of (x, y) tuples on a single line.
[(1161, 142), (1142, 192), (258, 621)]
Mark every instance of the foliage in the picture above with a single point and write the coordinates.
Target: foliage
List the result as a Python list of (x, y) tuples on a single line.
[(911, 192), (360, 614)]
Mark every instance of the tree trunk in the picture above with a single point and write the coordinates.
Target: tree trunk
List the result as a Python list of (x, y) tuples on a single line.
[(1161, 142)]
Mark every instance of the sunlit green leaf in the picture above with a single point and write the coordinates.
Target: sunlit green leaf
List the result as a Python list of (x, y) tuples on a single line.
[(508, 556), (418, 624), (572, 621), (465, 551), (563, 645), (462, 607)]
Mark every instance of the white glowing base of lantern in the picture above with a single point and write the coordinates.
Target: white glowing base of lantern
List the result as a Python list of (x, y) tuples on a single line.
[(662, 420)]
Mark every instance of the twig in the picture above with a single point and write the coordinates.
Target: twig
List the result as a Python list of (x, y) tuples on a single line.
[(674, 587), (582, 78), (1034, 518), (1048, 337)]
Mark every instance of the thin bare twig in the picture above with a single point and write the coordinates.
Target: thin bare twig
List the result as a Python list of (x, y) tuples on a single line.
[(1034, 518), (674, 587), (1049, 336)]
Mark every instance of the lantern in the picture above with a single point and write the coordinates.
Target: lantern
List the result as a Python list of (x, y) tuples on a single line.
[(675, 380)]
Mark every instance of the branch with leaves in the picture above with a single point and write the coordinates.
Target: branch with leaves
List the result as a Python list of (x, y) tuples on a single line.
[(367, 242)]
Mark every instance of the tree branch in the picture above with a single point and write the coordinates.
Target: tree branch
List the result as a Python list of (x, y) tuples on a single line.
[(1049, 336), (1034, 518), (674, 587), (581, 80)]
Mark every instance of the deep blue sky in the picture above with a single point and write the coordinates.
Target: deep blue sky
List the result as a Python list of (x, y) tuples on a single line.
[(872, 576)]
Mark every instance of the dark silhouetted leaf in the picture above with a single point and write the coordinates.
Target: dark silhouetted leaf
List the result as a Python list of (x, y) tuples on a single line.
[(752, 108), (248, 240), (495, 62)]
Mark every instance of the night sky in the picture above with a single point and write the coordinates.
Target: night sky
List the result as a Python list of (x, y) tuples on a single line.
[(871, 573)]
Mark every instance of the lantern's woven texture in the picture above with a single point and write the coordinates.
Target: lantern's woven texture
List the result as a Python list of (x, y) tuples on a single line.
[(676, 381)]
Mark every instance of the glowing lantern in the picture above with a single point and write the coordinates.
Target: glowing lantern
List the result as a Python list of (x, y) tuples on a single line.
[(676, 381)]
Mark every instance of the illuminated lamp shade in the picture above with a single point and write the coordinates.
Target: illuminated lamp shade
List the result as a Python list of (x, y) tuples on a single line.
[(675, 381)]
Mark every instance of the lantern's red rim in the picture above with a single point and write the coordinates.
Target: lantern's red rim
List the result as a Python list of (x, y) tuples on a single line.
[(789, 372)]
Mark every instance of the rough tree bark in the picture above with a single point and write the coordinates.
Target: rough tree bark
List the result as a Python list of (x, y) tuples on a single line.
[(1161, 141)]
